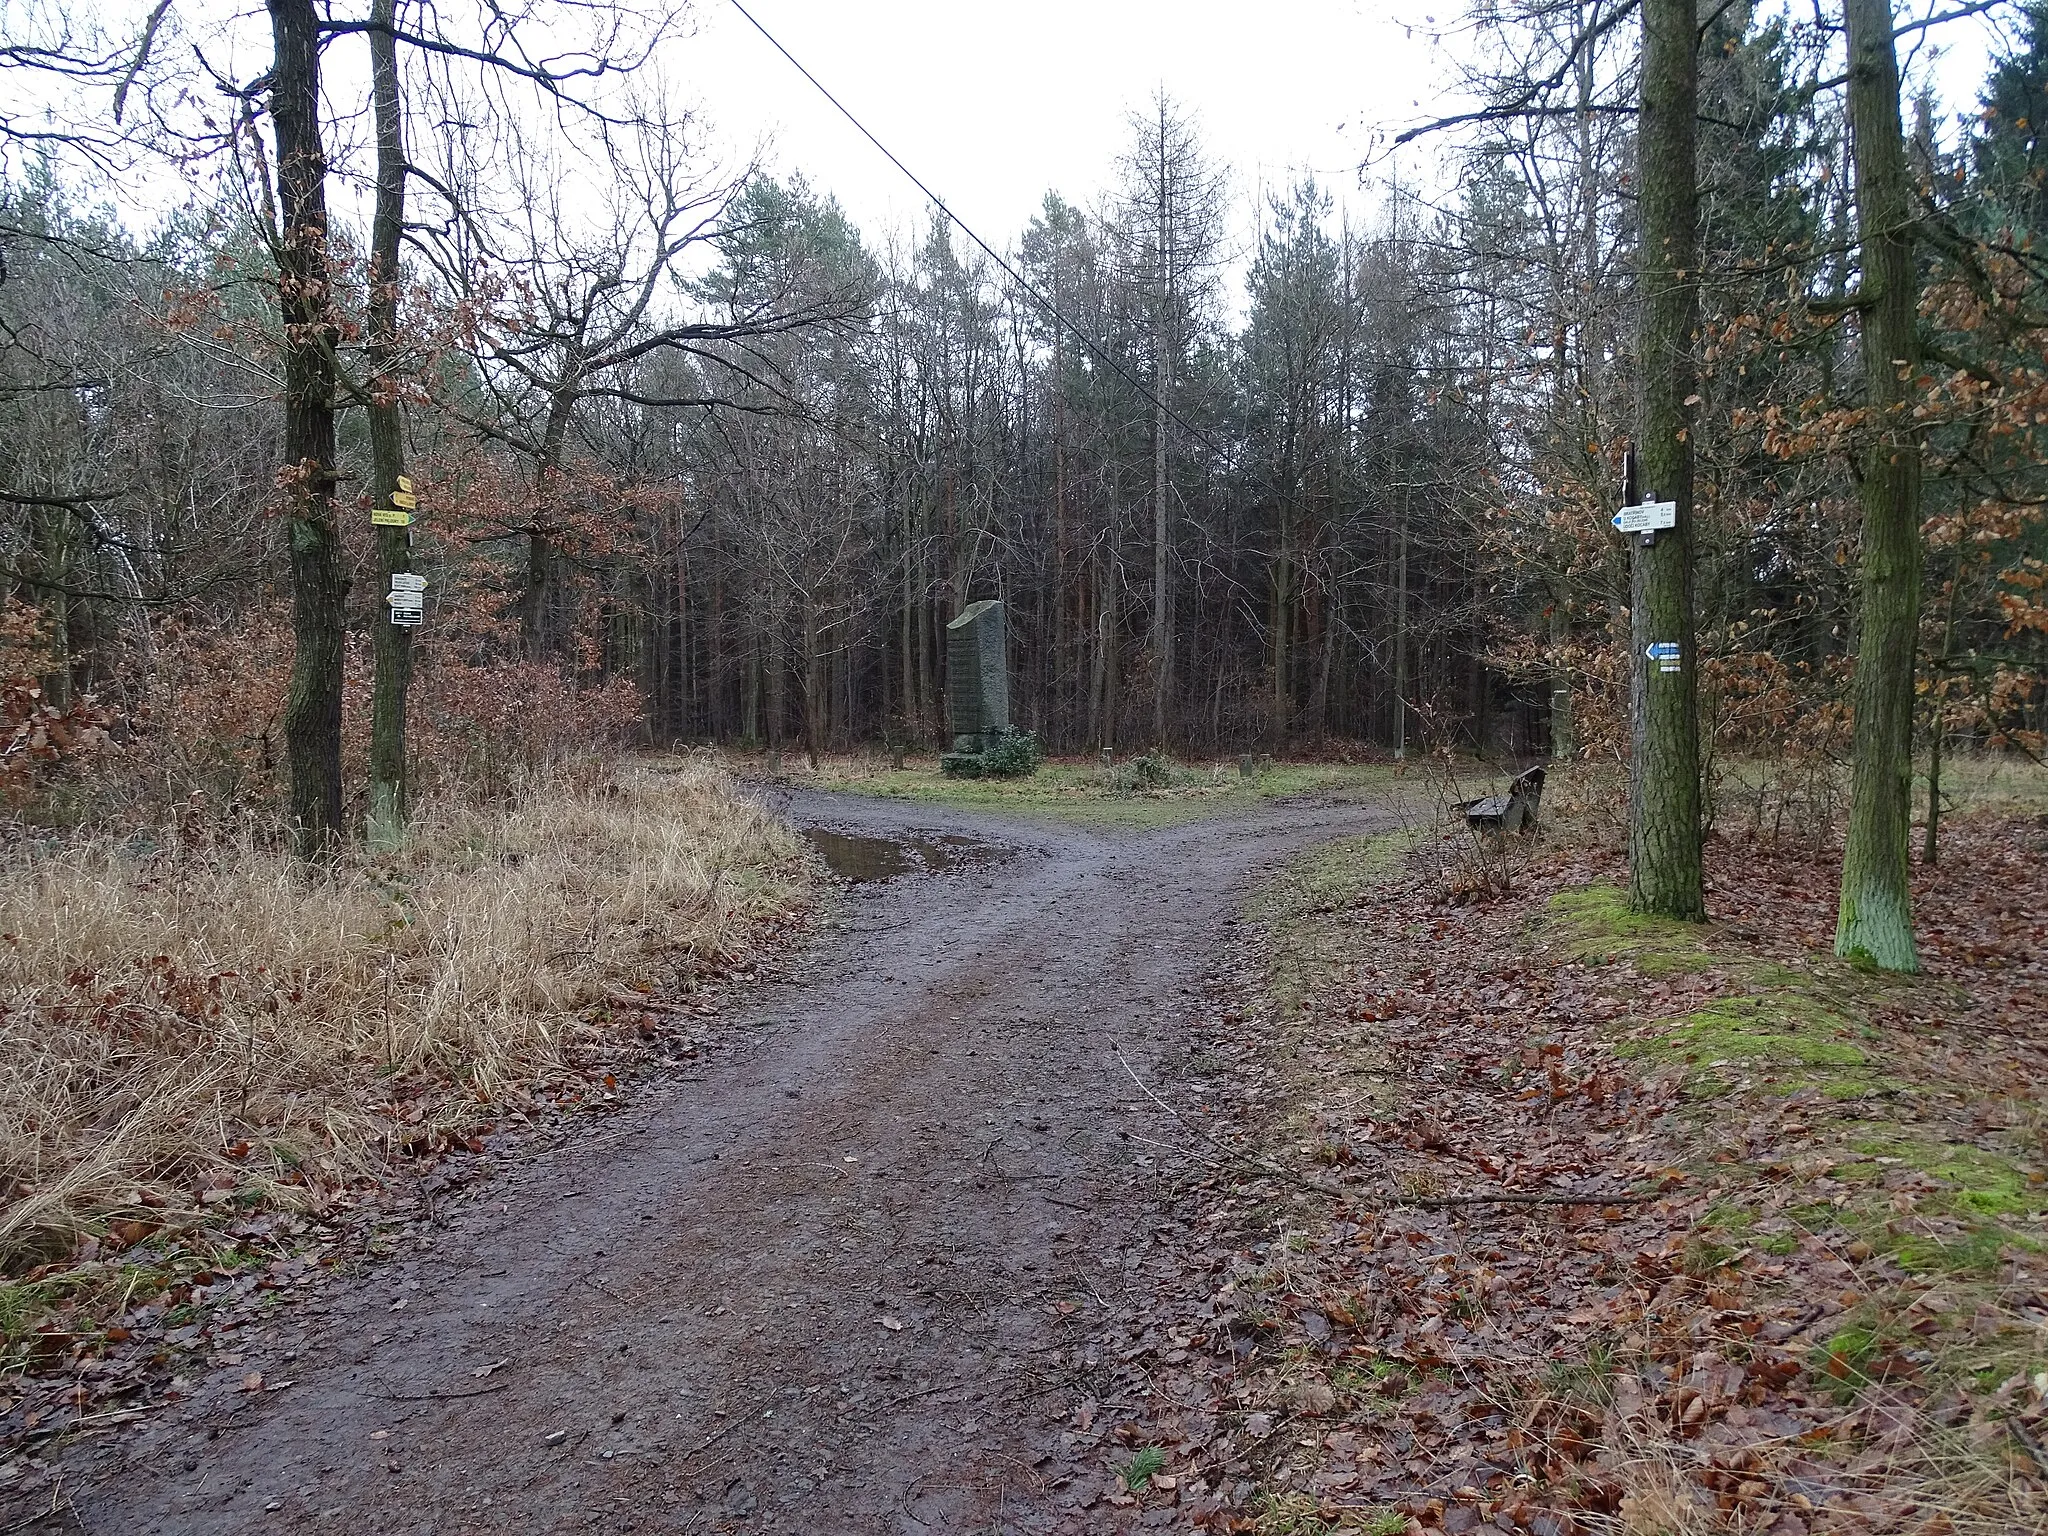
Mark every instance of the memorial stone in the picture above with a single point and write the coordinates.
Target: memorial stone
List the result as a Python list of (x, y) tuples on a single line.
[(977, 676)]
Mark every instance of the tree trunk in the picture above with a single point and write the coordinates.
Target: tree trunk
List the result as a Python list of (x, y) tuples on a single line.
[(1875, 921), (1162, 606), (1664, 766), (1401, 631), (312, 711), (817, 691), (1162, 381), (393, 642)]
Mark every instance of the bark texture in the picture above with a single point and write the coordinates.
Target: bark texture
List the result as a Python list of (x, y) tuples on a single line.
[(1664, 766), (312, 713), (1875, 920), (393, 645)]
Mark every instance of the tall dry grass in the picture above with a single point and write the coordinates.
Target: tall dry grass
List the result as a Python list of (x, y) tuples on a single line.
[(188, 1025)]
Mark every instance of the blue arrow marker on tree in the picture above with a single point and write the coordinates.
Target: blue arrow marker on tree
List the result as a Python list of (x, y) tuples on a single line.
[(1662, 650)]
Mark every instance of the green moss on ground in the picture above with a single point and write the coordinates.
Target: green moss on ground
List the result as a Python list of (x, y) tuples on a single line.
[(1932, 1200), (1788, 1035), (1305, 910), (1596, 926)]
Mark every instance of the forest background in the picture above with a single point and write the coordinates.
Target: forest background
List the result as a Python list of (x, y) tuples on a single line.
[(696, 460)]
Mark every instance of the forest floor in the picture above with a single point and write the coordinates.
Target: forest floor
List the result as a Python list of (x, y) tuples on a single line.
[(1523, 1212), (1288, 1171)]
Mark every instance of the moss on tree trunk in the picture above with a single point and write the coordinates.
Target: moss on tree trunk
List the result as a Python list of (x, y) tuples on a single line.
[(1875, 921)]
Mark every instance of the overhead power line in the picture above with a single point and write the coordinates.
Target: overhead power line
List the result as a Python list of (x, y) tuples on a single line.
[(993, 254)]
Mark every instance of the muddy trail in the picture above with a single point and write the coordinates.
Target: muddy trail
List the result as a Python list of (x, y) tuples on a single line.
[(818, 1287)]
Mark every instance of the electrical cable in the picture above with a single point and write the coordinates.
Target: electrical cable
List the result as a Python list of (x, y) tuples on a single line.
[(993, 255)]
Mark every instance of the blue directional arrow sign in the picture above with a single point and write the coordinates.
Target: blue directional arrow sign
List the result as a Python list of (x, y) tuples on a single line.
[(1662, 650), (1646, 517)]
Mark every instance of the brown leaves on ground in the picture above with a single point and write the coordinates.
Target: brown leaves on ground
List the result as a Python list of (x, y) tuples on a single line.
[(1642, 1228)]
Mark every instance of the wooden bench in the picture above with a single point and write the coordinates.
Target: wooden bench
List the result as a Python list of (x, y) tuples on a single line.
[(1514, 811)]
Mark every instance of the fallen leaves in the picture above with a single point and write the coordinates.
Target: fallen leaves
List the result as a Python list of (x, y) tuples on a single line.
[(1707, 1314)]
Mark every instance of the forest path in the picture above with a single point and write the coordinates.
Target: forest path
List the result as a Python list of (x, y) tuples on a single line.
[(812, 1290)]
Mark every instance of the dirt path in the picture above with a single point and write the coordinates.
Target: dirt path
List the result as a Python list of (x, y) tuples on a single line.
[(814, 1290)]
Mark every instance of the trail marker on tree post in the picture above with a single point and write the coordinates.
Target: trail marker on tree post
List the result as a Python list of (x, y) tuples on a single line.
[(408, 599), (1646, 518)]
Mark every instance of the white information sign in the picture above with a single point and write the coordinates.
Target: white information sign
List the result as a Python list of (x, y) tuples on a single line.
[(1646, 517)]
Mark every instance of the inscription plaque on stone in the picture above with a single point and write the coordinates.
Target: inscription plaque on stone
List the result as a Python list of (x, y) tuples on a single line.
[(977, 675)]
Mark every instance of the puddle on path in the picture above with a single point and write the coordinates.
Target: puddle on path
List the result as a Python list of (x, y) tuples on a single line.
[(860, 859)]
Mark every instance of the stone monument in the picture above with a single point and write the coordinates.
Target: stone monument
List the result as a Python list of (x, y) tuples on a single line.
[(977, 677)]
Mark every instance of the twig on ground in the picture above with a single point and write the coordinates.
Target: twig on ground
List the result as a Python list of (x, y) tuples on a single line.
[(1509, 1197), (732, 1423), (60, 1503), (1267, 1165), (911, 1397), (437, 1396), (1263, 1164), (2024, 1438)]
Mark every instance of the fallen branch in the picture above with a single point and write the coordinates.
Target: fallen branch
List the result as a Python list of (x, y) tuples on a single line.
[(1229, 1154), (1512, 1198), (1335, 1192), (437, 1396)]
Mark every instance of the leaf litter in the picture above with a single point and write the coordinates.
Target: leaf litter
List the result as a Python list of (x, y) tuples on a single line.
[(1524, 1214)]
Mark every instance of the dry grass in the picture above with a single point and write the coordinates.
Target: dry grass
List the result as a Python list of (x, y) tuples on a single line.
[(191, 1026)]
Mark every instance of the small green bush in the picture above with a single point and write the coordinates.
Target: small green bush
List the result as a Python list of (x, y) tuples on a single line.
[(1006, 754), (1150, 771), (1013, 755)]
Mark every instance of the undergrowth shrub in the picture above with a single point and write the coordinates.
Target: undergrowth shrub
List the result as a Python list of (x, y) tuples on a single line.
[(203, 734), (41, 739), (185, 1022), (1147, 773), (1007, 753)]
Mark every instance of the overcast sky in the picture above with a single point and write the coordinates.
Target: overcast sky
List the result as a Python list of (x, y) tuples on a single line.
[(994, 104)]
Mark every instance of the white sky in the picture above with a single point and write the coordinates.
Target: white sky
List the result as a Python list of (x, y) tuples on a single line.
[(993, 105), (996, 102)]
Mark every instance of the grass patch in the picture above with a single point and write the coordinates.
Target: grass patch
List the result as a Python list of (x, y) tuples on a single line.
[(1076, 790), (190, 1031), (1142, 1468), (1304, 909)]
